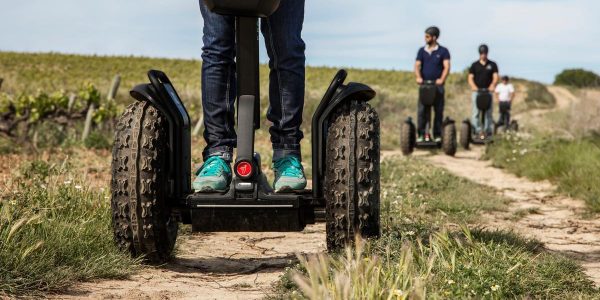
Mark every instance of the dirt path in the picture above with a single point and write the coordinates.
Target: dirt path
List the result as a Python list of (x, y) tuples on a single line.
[(212, 266), (537, 211)]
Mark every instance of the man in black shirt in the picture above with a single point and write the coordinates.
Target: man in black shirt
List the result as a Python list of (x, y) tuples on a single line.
[(483, 74)]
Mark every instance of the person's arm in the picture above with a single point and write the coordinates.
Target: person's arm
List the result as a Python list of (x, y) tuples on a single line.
[(418, 75), (445, 73), (418, 63), (512, 93), (495, 78), (497, 93), (471, 78)]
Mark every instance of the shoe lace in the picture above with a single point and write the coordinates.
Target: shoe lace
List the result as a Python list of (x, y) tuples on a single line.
[(213, 166), (289, 166)]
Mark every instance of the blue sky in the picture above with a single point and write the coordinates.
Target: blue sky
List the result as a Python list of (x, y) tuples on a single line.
[(528, 38)]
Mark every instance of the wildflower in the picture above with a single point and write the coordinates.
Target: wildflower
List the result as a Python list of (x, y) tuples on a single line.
[(409, 233), (450, 281), (78, 187), (495, 287), (67, 182), (486, 293), (101, 190), (514, 151), (397, 292)]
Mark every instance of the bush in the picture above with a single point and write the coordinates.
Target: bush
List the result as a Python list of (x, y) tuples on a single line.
[(97, 141), (578, 78), (539, 96)]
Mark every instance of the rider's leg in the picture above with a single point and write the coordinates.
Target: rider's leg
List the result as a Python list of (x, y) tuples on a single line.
[(283, 38), (421, 119), (489, 121), (218, 98), (439, 112), (475, 114), (218, 83), (285, 47)]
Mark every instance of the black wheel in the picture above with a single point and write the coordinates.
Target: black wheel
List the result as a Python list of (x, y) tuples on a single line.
[(465, 135), (408, 137), (352, 174), (449, 139), (142, 220)]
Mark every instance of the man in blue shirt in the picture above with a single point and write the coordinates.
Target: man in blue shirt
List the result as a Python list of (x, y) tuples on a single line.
[(433, 64)]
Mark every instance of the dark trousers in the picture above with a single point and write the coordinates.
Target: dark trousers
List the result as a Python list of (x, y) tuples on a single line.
[(504, 113), (424, 115), (285, 47)]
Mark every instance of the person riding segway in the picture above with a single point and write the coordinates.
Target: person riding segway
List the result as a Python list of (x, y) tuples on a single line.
[(483, 77), (505, 92), (432, 68), (151, 187)]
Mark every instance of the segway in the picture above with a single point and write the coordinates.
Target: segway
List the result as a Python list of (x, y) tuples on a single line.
[(504, 123), (151, 168), (467, 136), (408, 133)]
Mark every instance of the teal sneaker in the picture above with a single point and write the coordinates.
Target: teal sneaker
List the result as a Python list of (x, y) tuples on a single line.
[(213, 176), (437, 139), (289, 174), (420, 139)]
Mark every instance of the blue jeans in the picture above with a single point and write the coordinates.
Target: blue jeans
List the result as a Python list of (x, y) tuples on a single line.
[(488, 125), (285, 47)]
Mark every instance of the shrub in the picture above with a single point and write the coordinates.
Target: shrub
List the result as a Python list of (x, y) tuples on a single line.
[(578, 78)]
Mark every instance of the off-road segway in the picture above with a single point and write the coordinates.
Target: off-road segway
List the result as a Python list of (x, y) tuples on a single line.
[(505, 124), (467, 136), (408, 133), (151, 169)]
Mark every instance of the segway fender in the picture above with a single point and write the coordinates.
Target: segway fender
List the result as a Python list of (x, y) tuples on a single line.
[(336, 95)]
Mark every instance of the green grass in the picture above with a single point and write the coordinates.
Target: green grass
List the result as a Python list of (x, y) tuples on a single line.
[(396, 91), (538, 96), (573, 165), (423, 253), (55, 231)]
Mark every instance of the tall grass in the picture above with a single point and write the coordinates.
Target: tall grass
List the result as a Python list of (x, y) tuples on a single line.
[(427, 251), (574, 165), (445, 265), (54, 231)]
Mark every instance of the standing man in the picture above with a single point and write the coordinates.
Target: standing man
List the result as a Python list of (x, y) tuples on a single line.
[(483, 75), (285, 47), (505, 92), (432, 64)]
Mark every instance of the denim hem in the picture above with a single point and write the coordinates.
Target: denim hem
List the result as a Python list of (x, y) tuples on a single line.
[(225, 152)]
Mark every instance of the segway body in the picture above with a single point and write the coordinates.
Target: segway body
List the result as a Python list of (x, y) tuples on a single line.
[(505, 124), (151, 170), (408, 133), (484, 102)]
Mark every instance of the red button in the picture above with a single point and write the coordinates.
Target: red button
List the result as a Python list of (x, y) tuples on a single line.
[(244, 169)]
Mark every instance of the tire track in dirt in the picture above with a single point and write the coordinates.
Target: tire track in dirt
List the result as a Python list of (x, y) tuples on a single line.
[(212, 266)]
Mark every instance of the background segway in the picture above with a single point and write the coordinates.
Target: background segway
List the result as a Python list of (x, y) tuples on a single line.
[(484, 102), (408, 135)]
